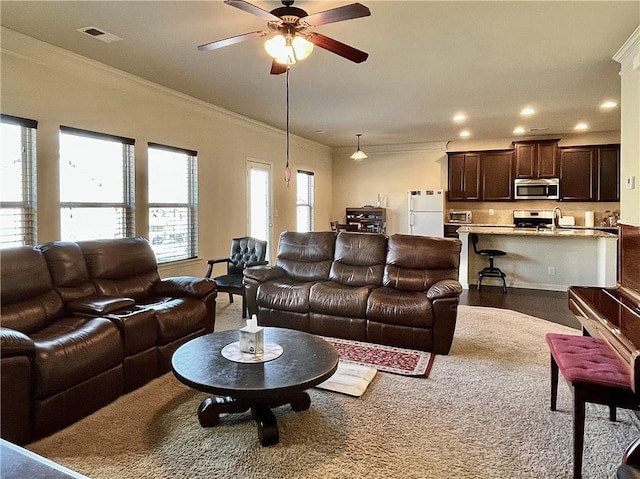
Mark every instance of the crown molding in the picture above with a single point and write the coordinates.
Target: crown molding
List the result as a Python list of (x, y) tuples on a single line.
[(49, 56), (629, 53)]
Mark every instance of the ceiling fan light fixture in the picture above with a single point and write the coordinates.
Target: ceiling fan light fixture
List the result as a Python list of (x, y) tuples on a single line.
[(359, 154), (302, 47), (287, 50)]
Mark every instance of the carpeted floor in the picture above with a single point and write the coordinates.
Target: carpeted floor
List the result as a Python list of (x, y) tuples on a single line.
[(483, 413)]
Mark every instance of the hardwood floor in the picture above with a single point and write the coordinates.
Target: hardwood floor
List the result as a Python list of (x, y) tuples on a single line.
[(549, 305)]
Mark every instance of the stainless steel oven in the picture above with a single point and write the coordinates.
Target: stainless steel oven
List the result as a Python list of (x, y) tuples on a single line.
[(537, 189)]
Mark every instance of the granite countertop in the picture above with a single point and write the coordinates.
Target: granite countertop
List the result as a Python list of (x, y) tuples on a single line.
[(562, 232)]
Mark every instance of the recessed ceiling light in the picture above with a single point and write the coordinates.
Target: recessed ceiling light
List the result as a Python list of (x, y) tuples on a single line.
[(581, 126), (465, 133), (608, 104), (527, 111), (460, 117), (518, 130), (319, 132)]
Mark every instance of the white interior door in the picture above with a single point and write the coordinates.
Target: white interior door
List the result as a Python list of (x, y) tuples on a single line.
[(259, 222)]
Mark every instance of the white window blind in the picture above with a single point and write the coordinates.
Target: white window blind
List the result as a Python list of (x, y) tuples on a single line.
[(96, 185), (305, 200), (18, 187), (173, 202)]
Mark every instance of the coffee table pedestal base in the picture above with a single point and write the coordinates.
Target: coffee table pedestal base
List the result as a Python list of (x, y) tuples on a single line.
[(210, 409)]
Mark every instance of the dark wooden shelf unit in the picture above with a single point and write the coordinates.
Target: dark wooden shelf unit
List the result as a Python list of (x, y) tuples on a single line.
[(367, 220)]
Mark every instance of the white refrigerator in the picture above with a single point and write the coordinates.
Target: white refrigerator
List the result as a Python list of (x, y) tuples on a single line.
[(426, 212)]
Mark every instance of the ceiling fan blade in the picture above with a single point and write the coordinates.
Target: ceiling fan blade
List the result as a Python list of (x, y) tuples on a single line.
[(346, 12), (337, 47), (250, 8), (231, 40), (278, 68)]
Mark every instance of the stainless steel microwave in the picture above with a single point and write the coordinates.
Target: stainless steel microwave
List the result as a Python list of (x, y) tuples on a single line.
[(537, 189)]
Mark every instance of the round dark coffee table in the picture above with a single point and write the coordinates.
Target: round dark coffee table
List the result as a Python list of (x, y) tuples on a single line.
[(306, 361)]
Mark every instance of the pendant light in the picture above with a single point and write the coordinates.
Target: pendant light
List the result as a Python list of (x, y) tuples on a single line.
[(359, 154)]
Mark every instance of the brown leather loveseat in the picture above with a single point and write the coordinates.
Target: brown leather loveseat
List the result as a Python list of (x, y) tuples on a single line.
[(83, 323), (400, 290)]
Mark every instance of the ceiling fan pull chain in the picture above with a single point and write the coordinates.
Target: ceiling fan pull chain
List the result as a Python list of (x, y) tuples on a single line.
[(287, 169)]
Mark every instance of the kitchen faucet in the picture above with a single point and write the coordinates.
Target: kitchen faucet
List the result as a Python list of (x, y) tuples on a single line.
[(557, 214)]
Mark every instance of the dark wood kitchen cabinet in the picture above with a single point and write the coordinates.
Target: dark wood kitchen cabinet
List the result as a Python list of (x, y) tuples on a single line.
[(608, 173), (497, 175), (536, 159), (577, 174), (464, 177), (590, 173)]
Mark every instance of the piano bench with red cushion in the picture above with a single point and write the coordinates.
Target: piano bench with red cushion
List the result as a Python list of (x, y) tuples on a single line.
[(596, 374)]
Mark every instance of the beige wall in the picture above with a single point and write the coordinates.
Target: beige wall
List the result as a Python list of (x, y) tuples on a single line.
[(629, 58), (390, 172), (56, 88)]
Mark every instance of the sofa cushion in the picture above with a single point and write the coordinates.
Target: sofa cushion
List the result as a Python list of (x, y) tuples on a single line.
[(359, 259), (176, 317), (402, 308), (124, 267), (415, 263), (328, 297), (306, 256), (72, 350), (26, 291), (284, 295), (68, 270)]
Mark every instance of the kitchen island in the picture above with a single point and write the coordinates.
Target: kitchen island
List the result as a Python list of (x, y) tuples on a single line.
[(549, 259)]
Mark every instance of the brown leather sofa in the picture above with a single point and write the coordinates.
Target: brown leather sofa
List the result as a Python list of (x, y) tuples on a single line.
[(399, 290), (84, 322)]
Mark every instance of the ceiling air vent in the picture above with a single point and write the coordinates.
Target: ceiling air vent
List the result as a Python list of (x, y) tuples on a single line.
[(535, 130), (100, 34)]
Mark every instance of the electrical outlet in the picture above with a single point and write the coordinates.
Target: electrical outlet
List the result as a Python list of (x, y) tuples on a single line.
[(551, 271), (491, 212)]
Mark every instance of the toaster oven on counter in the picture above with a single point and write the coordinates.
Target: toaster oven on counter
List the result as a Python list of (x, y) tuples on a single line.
[(460, 216)]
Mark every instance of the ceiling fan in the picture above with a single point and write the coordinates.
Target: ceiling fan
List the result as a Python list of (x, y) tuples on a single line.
[(292, 41)]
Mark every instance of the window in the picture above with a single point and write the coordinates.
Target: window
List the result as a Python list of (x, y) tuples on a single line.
[(173, 202), (96, 185), (304, 200), (18, 188)]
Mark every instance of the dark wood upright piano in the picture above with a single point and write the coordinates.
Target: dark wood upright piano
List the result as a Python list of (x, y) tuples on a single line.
[(614, 313)]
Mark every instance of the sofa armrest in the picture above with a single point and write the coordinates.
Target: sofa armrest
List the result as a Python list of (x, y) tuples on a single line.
[(178, 286), (15, 343), (445, 312), (99, 305), (446, 288), (253, 277), (264, 273)]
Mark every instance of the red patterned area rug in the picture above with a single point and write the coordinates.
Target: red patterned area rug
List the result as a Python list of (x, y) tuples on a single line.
[(407, 362)]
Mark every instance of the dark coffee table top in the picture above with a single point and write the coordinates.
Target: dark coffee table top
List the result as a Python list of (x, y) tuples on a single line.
[(306, 361)]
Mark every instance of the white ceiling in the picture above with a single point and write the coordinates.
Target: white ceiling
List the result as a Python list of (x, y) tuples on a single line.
[(427, 61)]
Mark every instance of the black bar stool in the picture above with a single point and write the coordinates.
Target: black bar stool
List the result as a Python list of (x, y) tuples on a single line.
[(491, 270)]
